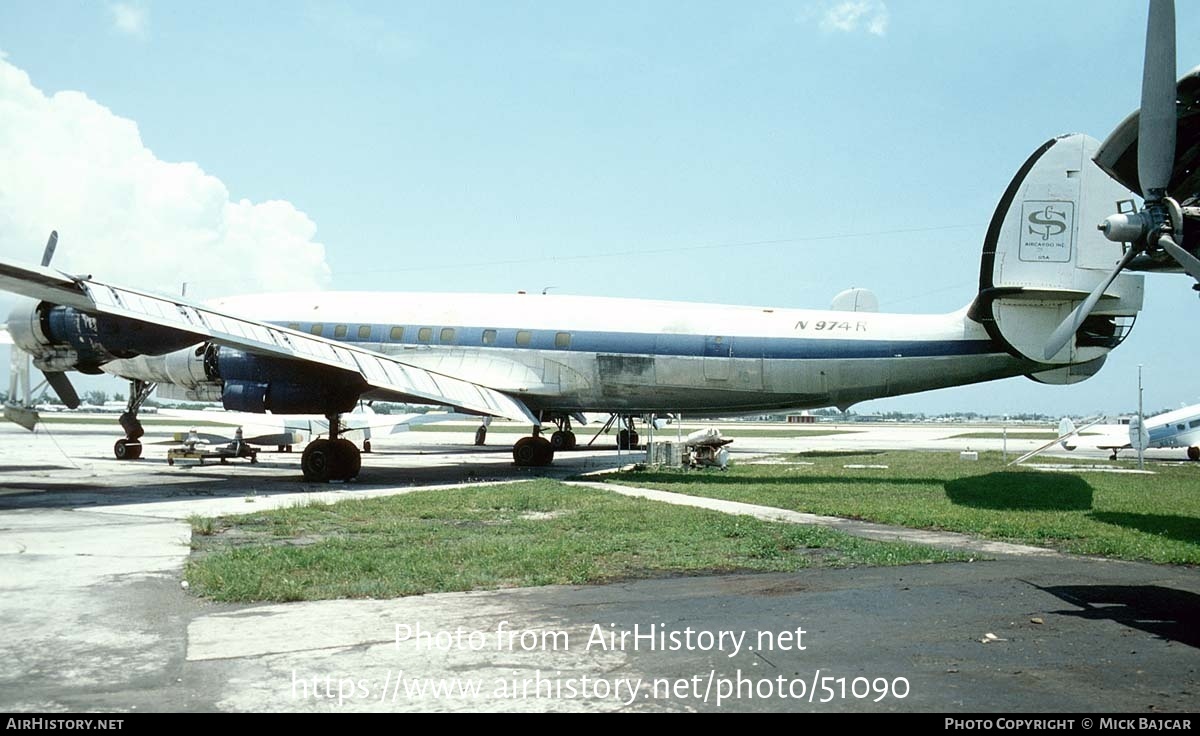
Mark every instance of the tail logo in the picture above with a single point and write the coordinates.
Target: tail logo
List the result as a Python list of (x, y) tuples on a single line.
[(1048, 230)]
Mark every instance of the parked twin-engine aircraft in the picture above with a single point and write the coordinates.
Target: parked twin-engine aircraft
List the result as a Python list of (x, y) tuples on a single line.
[(1050, 306), (1178, 428)]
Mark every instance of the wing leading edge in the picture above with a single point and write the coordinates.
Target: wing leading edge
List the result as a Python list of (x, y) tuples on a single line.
[(380, 372)]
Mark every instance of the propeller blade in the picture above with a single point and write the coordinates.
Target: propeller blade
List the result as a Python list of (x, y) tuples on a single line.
[(1068, 327), (1156, 124), (62, 386), (1189, 262), (51, 244)]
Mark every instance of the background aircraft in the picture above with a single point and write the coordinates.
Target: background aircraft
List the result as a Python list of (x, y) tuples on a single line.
[(1178, 428)]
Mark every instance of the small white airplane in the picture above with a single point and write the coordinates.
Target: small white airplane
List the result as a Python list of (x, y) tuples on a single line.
[(1178, 428), (284, 431), (1050, 306)]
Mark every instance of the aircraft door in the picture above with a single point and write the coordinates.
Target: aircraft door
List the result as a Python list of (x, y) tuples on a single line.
[(718, 365)]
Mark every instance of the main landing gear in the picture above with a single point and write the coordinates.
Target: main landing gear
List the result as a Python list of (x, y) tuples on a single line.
[(564, 439), (537, 451), (130, 447), (331, 459)]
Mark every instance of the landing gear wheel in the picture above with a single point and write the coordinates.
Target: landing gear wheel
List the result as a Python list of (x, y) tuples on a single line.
[(562, 441), (545, 452), (525, 451), (349, 460), (1194, 453), (319, 461), (366, 446), (627, 439), (480, 436), (127, 449), (533, 452), (326, 460)]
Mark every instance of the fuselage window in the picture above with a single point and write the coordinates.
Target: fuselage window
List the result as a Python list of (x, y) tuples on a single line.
[(1180, 427), (425, 334), (447, 336), (364, 332), (339, 331), (562, 340), (524, 337), (293, 326), (489, 337), (1194, 423), (317, 329), (397, 334)]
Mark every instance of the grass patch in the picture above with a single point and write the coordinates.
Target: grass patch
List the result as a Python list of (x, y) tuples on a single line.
[(1134, 517), (536, 533), (202, 526)]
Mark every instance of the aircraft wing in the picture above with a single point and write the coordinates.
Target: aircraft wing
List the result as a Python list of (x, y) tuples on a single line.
[(381, 372), (1118, 154), (1061, 438)]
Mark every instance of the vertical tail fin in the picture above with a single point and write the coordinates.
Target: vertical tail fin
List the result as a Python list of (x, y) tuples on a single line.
[(1042, 256), (1066, 430)]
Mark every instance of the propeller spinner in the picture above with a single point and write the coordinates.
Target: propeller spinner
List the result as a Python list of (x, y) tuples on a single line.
[(1160, 221)]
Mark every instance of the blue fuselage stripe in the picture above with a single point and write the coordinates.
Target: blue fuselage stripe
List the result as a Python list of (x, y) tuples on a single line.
[(677, 345)]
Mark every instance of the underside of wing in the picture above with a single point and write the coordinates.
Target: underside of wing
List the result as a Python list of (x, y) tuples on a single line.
[(1119, 158)]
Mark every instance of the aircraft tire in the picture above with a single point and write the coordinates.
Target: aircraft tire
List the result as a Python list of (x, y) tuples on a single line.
[(1194, 453), (562, 441), (349, 459), (627, 439), (525, 452), (126, 450), (533, 452), (319, 461), (545, 452), (480, 436)]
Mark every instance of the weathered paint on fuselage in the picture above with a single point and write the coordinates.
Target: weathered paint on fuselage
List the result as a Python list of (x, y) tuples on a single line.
[(570, 353)]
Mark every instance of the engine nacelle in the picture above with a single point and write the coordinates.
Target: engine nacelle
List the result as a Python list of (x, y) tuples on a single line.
[(63, 338), (243, 381), (254, 383)]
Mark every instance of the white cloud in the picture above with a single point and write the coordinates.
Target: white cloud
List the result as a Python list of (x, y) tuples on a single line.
[(850, 16), (125, 216), (129, 19)]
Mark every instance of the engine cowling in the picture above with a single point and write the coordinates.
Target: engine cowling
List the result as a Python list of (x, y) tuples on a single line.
[(256, 383), (63, 338), (247, 382)]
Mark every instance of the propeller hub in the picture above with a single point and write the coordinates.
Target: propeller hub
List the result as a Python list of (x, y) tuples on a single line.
[(1124, 228)]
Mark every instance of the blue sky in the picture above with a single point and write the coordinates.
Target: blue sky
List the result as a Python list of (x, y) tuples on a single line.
[(766, 153)]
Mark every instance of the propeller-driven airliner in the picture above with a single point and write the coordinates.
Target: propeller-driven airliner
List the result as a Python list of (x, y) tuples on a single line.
[(1054, 298)]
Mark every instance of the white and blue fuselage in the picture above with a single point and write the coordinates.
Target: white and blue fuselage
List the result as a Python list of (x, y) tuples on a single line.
[(568, 353)]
